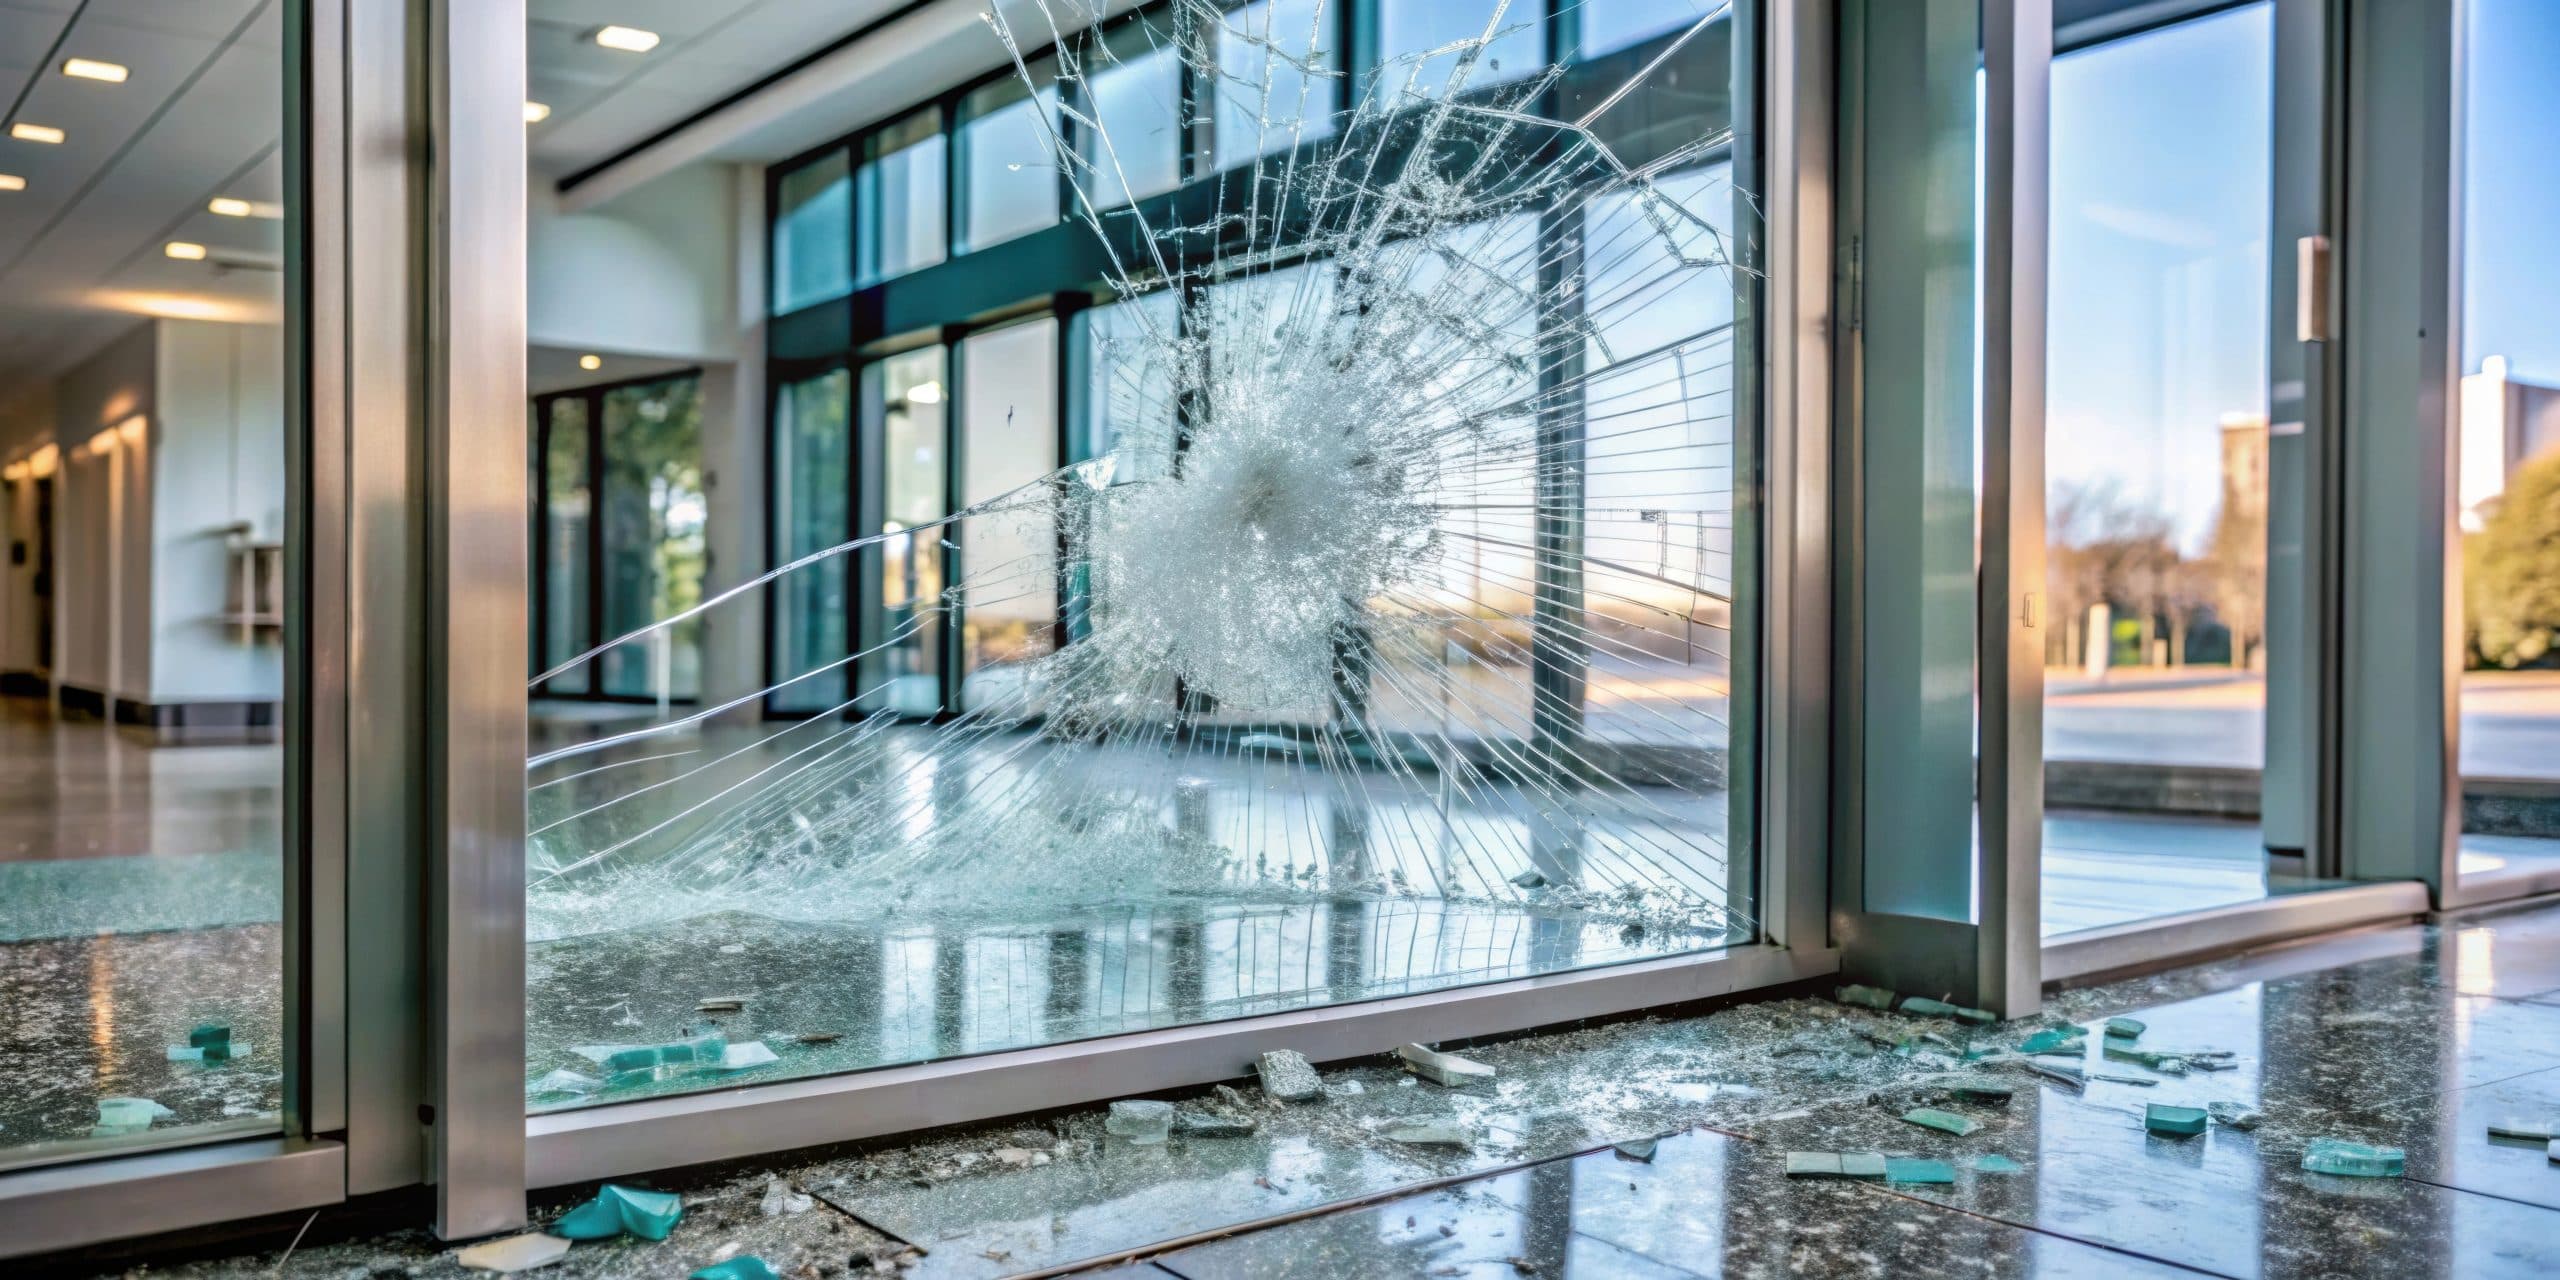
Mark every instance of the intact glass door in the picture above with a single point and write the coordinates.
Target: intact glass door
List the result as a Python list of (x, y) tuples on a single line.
[(2178, 763)]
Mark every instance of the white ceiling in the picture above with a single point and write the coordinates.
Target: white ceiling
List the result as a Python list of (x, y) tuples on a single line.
[(81, 248)]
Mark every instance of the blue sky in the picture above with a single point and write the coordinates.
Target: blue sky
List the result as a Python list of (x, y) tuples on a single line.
[(2511, 222), (2158, 318)]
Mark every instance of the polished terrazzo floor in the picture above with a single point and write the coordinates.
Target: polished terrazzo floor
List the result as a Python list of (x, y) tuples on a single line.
[(2413, 1036)]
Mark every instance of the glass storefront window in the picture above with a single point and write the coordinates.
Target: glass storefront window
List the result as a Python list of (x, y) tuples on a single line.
[(154, 635), (1267, 104), (903, 659), (566, 517), (1008, 174), (2507, 437), (1133, 89), (899, 195), (813, 490), (1411, 31), (1008, 601), (812, 234)]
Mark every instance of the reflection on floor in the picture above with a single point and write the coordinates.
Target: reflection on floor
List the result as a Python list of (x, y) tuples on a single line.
[(2415, 1037), (139, 889)]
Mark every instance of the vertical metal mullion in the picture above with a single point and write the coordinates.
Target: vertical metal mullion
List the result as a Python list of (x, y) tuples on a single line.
[(593, 399), (2401, 642), (2017, 41), (954, 539), (1559, 660), (314, 720), (1798, 347), (474, 228)]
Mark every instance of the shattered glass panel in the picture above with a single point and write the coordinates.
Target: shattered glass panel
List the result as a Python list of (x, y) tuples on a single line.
[(1335, 597)]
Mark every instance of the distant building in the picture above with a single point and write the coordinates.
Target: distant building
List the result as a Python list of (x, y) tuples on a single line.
[(2506, 422), (2244, 468)]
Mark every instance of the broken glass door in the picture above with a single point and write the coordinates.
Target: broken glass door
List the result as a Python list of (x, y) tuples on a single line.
[(1321, 581)]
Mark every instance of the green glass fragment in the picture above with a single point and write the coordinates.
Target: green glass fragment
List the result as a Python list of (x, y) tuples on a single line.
[(1942, 1121), (1864, 997), (1941, 1009), (1833, 1164), (619, 1210), (2073, 1042), (745, 1266), (1637, 1149), (2175, 1122), (208, 1034), (2115, 1079), (2125, 1028), (2353, 1159), (706, 1050), (2060, 1074), (1899, 1170), (120, 1116), (186, 1053), (1997, 1164), (2167, 1064), (1985, 1091)]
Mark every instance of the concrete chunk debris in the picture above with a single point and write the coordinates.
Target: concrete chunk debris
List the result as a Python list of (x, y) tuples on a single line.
[(1942, 1121), (1864, 997), (1201, 1124), (1428, 1133), (1143, 1121), (720, 1004), (1288, 1076), (2173, 1121), (780, 1199), (514, 1253), (1443, 1068), (2353, 1159), (118, 1117), (2232, 1115)]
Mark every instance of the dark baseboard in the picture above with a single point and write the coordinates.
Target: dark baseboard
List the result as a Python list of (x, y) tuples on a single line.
[(24, 684), (80, 702), (178, 723)]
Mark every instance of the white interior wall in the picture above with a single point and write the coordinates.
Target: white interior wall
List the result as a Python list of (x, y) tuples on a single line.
[(102, 520), (218, 451), (650, 274)]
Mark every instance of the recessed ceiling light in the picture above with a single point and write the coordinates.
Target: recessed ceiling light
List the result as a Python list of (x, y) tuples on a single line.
[(627, 39), (12, 182), (184, 251), (536, 112), (230, 207), (44, 133), (92, 69), (591, 363)]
